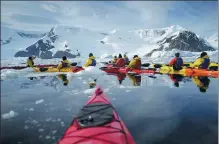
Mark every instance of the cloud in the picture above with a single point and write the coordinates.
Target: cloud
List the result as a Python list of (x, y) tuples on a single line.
[(121, 15), (50, 8)]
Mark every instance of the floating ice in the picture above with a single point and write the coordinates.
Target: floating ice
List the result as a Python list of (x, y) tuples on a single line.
[(40, 130), (9, 115), (26, 127), (48, 119), (31, 109), (128, 90), (89, 91), (47, 137), (34, 122), (54, 131), (39, 101)]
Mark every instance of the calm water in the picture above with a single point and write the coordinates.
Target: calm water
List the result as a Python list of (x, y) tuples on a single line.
[(156, 112)]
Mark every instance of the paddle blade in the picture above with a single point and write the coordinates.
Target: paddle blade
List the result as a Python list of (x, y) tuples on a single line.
[(145, 65), (157, 65), (43, 69), (186, 65), (74, 64)]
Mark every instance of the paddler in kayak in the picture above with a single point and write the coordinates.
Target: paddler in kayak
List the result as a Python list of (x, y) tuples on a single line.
[(135, 79), (120, 62), (91, 61), (202, 62), (92, 84), (135, 63), (176, 62), (114, 60), (201, 82), (64, 63), (30, 62), (63, 77), (126, 59)]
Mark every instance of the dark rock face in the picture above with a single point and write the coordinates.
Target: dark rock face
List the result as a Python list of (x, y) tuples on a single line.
[(6, 41), (102, 42), (60, 54), (30, 35), (188, 41), (185, 41), (22, 54), (42, 48), (105, 34)]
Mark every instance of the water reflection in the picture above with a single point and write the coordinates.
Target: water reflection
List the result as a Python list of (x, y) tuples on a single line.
[(153, 111), (202, 82), (63, 78)]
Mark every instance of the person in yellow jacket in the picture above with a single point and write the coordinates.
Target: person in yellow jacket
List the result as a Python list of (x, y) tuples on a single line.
[(92, 84), (135, 79), (135, 63), (91, 61), (64, 63), (202, 62), (63, 77), (115, 58), (201, 82), (30, 62)]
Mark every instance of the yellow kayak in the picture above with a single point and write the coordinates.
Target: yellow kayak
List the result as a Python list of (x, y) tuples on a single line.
[(170, 70), (73, 69), (52, 69)]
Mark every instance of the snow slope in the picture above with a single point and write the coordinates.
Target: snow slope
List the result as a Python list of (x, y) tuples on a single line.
[(213, 40), (13, 40)]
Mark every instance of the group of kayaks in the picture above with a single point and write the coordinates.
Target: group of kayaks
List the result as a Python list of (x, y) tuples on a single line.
[(163, 69), (155, 68)]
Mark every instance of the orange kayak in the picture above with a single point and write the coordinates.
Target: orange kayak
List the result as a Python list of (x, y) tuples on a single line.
[(200, 72)]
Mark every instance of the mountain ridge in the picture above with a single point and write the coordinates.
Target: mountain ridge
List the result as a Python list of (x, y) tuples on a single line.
[(64, 40)]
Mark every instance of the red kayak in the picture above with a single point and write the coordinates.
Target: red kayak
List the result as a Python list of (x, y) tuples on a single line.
[(97, 123), (111, 69)]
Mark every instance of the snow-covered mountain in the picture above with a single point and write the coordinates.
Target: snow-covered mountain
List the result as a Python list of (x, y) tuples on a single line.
[(13, 40), (213, 40), (63, 40)]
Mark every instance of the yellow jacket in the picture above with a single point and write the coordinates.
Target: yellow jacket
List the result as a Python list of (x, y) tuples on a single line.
[(89, 61), (114, 60), (65, 61), (198, 82), (133, 80), (135, 63), (63, 78), (30, 63), (198, 62)]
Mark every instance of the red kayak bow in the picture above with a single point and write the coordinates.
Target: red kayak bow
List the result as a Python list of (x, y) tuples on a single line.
[(97, 123)]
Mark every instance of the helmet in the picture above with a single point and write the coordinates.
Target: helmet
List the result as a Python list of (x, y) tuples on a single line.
[(203, 54), (90, 54), (64, 58), (177, 54)]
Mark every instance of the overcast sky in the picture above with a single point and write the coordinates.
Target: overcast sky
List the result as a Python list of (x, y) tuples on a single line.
[(198, 16)]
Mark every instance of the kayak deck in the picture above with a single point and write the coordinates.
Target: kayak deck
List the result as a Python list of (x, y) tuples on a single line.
[(54, 69), (97, 123)]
